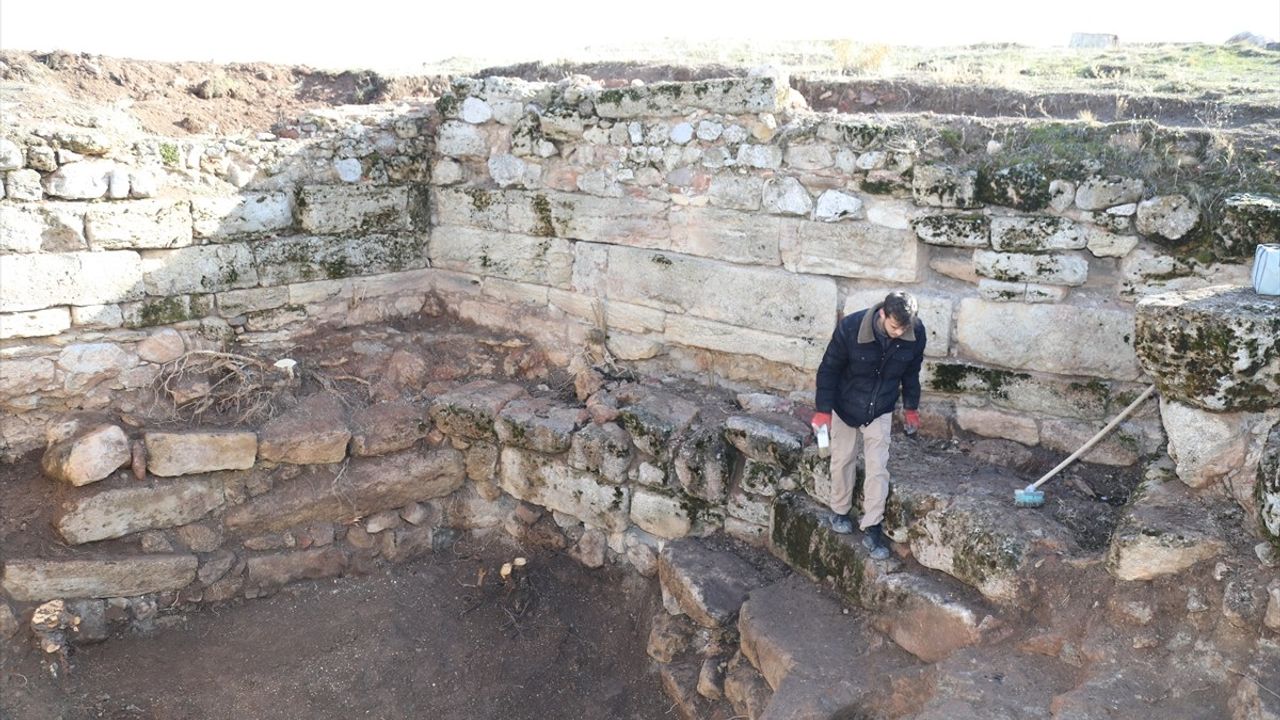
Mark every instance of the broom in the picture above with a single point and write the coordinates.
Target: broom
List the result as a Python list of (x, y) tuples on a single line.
[(1031, 496)]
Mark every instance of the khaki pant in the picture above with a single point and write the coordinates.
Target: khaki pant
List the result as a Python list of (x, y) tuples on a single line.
[(844, 459)]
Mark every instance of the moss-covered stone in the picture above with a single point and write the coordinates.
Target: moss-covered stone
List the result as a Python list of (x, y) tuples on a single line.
[(964, 378), (1023, 186), (1247, 220)]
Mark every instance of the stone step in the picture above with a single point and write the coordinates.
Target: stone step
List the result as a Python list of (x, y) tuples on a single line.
[(822, 663), (118, 512), (709, 585), (972, 531), (1166, 528), (929, 615), (998, 683), (35, 580)]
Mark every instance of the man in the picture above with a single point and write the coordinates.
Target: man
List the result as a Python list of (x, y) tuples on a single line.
[(872, 355)]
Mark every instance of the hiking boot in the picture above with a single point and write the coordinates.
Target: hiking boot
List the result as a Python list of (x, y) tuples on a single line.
[(873, 540), (841, 524)]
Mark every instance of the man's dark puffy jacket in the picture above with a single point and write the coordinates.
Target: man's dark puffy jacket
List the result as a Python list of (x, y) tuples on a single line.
[(859, 379)]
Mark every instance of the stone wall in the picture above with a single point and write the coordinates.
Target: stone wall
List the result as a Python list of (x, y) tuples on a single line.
[(715, 228)]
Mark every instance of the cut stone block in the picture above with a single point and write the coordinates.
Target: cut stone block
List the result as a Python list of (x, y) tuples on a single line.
[(710, 585), (198, 269), (538, 424), (471, 410), (655, 419), (603, 449), (662, 514), (35, 282), (285, 260), (1099, 193), (139, 224), (89, 456), (387, 428), (268, 572), (939, 186), (338, 209), (969, 231), (1247, 220), (46, 227), (1217, 348), (119, 512), (35, 323), (188, 453), (1036, 234), (927, 615), (366, 487), (248, 213), (737, 96), (856, 250), (772, 439), (40, 580), (551, 484), (1164, 531), (314, 432), (820, 662), (703, 464), (1058, 269)]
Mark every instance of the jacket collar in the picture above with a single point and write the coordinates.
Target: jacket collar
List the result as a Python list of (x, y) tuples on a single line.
[(867, 333)]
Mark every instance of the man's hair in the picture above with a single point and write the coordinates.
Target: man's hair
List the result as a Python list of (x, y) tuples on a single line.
[(902, 307)]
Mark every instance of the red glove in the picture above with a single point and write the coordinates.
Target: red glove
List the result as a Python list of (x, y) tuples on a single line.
[(911, 421), (820, 419)]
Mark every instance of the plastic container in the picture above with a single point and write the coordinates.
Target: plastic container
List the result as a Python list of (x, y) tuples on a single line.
[(1266, 269), (824, 440)]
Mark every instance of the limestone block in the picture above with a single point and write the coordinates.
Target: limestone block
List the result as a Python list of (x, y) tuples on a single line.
[(934, 311), (89, 456), (743, 296), (507, 170), (386, 428), (1164, 531), (460, 139), (84, 365), (703, 463), (743, 507), (834, 205), (23, 185), (1023, 186), (939, 186), (765, 157), (662, 515), (735, 96), (39, 580), (1208, 446), (1267, 488), (139, 224), (296, 259), (728, 235), (161, 346), (786, 196), (339, 209), (774, 439), (1169, 216), (187, 453), (267, 572), (1000, 291), (36, 323), (537, 424), (656, 419), (1098, 193), (239, 302), (990, 422), (10, 155), (47, 227), (856, 250), (621, 221), (554, 485), (471, 410), (1123, 447), (1070, 270), (954, 230), (802, 352), (83, 180), (709, 585), (119, 512), (368, 486), (313, 432), (198, 269), (20, 377), (249, 213), (97, 316), (1247, 221), (1106, 244), (603, 449), (1216, 348), (1049, 338), (1036, 234), (475, 111), (35, 282), (523, 258), (736, 192)]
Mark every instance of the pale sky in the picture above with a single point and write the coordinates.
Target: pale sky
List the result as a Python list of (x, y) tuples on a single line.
[(385, 34)]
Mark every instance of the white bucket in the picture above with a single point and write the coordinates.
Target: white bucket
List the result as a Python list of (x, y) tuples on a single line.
[(1266, 269)]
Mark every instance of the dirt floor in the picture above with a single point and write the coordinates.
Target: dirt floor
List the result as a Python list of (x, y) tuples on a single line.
[(419, 640)]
